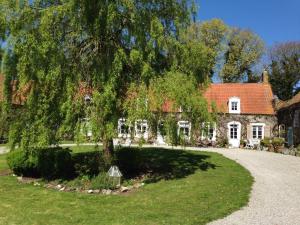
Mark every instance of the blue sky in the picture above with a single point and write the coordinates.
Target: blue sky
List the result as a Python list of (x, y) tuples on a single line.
[(273, 20)]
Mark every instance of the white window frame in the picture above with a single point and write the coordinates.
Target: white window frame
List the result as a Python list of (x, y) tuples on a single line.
[(262, 132), (239, 130), (206, 126), (122, 122), (139, 132), (238, 102), (184, 124)]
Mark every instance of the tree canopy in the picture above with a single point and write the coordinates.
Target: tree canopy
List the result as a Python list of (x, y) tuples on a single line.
[(244, 51), (285, 69), (64, 53)]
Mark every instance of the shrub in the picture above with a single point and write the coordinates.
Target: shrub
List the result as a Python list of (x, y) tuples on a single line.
[(266, 142), (54, 162), (22, 164), (88, 163), (277, 143), (102, 181), (223, 142)]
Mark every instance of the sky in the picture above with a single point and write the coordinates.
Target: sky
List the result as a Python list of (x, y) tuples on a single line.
[(274, 21)]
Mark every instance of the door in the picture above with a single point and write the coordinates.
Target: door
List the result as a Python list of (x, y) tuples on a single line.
[(161, 134), (290, 135), (234, 134)]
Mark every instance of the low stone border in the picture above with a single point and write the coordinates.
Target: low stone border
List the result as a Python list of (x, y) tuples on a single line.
[(65, 188)]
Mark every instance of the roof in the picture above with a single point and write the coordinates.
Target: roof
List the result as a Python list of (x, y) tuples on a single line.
[(255, 98), (285, 104)]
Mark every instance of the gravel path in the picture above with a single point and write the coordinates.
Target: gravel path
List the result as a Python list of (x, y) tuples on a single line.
[(275, 197)]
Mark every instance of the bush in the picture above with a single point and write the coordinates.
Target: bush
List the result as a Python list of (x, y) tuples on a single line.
[(102, 181), (88, 163), (277, 143), (49, 163), (22, 164), (223, 142), (266, 142), (54, 162)]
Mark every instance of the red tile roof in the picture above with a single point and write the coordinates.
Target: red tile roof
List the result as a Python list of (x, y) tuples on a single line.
[(255, 98)]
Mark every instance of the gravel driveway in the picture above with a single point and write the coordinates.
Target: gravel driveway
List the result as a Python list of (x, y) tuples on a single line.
[(275, 197)]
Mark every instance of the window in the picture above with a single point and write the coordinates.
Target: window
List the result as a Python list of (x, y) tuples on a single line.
[(233, 131), (257, 131), (208, 131), (184, 128), (234, 105), (123, 128), (141, 127)]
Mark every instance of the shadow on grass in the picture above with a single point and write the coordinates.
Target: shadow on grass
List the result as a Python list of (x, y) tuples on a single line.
[(160, 164)]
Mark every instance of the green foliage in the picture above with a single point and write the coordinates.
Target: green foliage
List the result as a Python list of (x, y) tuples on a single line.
[(22, 164), (171, 131), (179, 91), (223, 142), (285, 69), (266, 142), (88, 163), (102, 181), (244, 51), (277, 143), (106, 45), (49, 163), (54, 163), (203, 43)]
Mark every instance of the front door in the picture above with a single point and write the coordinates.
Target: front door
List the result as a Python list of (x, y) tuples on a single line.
[(234, 134), (161, 134), (290, 136)]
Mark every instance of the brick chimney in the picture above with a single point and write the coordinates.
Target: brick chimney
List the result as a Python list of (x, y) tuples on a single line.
[(265, 77)]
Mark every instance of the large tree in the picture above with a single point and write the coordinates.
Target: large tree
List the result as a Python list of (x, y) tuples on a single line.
[(285, 69), (100, 45), (243, 52), (203, 44)]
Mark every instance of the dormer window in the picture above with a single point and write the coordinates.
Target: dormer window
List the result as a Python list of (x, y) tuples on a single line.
[(234, 105)]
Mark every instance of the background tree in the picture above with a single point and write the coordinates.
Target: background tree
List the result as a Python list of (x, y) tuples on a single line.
[(285, 69), (201, 44), (244, 51)]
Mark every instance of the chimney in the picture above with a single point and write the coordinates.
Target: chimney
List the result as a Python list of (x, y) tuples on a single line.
[(265, 77)]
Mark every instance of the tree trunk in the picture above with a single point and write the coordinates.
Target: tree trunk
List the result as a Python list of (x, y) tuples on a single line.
[(108, 150)]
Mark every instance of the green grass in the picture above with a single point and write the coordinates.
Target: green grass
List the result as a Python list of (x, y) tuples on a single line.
[(201, 195), (84, 148)]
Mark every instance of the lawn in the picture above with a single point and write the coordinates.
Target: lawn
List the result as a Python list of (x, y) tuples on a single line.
[(204, 187)]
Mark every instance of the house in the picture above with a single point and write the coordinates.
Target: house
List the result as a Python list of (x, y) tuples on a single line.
[(288, 113), (245, 111)]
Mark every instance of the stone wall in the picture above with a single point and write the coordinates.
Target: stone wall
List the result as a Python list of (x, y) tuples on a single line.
[(286, 117), (270, 121)]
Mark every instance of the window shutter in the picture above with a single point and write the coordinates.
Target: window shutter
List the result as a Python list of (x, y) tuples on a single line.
[(267, 131), (249, 132)]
